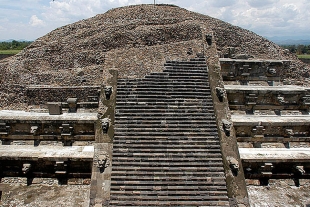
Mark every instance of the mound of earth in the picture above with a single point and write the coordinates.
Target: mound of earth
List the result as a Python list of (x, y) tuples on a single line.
[(136, 40)]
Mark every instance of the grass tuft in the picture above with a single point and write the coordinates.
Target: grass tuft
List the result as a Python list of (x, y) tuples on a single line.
[(9, 52), (304, 56)]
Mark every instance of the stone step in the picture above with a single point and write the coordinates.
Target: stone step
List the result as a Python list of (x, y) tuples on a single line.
[(191, 64), (166, 95), (201, 202), (165, 111), (198, 59), (175, 83), (132, 96), (210, 123), (211, 190), (142, 105), (179, 79), (187, 64), (163, 174), (170, 159), (176, 79), (155, 91), (138, 147), (129, 79), (172, 87), (192, 61), (168, 168), (214, 181), (129, 186), (161, 96), (180, 72), (142, 108), (161, 99), (168, 200), (167, 103), (178, 76), (166, 118), (167, 114), (153, 142), (189, 73), (142, 164), (198, 155), (164, 142), (187, 138), (161, 125), (164, 130), (185, 70), (166, 127), (168, 151), (169, 84), (167, 134)]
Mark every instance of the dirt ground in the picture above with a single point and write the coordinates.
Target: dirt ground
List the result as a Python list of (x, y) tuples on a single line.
[(46, 196), (278, 194)]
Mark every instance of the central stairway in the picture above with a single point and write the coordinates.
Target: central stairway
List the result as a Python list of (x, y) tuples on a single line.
[(166, 150)]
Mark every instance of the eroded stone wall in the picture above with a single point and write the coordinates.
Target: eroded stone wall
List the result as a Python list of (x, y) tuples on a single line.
[(37, 95), (138, 62)]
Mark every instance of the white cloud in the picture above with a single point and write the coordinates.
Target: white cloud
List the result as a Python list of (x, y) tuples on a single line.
[(267, 18), (35, 21)]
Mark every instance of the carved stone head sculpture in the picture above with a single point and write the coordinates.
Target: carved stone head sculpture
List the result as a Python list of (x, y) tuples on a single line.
[(26, 168), (105, 123), (271, 71), (227, 125), (108, 91), (220, 93), (34, 130), (102, 160), (233, 164)]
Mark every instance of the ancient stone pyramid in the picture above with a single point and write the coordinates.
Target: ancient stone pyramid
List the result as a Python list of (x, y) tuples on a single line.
[(152, 106)]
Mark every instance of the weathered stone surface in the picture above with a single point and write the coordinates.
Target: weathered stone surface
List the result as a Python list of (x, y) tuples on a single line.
[(142, 37), (252, 80), (47, 152)]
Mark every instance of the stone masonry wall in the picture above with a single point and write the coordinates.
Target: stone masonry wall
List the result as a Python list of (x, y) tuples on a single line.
[(41, 95), (138, 62)]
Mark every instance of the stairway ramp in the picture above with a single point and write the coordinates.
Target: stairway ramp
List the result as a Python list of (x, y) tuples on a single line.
[(166, 150)]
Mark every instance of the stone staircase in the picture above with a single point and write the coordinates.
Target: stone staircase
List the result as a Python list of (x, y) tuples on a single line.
[(166, 150)]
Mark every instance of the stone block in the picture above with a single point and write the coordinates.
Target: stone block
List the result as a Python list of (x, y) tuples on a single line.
[(252, 182), (54, 108), (72, 102), (4, 129)]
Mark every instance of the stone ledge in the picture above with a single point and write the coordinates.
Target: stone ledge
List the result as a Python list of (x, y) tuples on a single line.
[(274, 154), (251, 60), (266, 120), (11, 115), (52, 153), (286, 89)]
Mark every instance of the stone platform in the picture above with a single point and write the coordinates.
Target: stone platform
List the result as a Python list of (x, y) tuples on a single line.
[(267, 120), (11, 115), (274, 154), (52, 153)]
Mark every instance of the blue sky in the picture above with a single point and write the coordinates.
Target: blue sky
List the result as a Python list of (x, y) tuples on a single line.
[(31, 19)]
